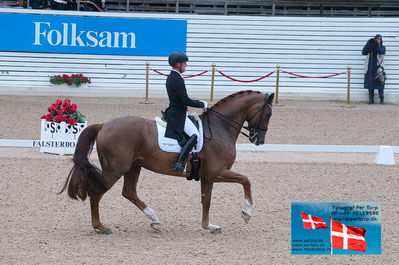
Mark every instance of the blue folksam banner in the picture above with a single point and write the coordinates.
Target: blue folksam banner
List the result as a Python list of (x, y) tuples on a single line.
[(91, 35)]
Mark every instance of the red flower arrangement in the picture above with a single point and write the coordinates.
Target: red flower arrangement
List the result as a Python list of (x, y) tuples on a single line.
[(74, 79), (61, 111)]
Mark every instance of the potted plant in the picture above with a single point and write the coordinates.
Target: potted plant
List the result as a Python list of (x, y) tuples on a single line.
[(61, 127), (74, 80)]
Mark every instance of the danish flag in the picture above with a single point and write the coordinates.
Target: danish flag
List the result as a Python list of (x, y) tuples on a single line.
[(347, 237), (313, 222)]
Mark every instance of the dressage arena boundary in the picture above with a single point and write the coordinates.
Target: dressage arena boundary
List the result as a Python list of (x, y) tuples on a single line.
[(384, 154), (277, 72)]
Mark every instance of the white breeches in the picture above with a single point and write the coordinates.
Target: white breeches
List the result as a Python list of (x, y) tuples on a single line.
[(189, 127)]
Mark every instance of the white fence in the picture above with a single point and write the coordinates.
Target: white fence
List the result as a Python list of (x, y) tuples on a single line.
[(384, 154), (242, 47)]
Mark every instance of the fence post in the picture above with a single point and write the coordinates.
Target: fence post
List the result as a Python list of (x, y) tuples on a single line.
[(277, 82), (147, 83), (348, 86), (212, 80)]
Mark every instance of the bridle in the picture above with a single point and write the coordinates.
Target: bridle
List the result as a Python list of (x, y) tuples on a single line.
[(252, 129)]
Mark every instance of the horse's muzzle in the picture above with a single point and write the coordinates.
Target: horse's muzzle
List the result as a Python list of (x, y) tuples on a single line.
[(255, 139), (258, 142)]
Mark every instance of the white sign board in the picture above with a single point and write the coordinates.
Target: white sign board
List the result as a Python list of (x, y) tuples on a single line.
[(59, 137)]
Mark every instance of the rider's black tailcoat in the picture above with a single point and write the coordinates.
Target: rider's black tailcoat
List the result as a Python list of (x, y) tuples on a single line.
[(178, 102)]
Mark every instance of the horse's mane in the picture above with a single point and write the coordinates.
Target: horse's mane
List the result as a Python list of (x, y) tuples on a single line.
[(232, 96)]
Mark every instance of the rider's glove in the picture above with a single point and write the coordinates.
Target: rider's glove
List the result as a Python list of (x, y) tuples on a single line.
[(205, 104)]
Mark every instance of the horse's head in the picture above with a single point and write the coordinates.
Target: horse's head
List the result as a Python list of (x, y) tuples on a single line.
[(258, 119)]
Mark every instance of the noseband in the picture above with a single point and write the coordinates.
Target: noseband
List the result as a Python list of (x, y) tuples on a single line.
[(252, 129)]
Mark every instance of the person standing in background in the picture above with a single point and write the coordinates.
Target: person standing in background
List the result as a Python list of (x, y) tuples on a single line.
[(374, 63)]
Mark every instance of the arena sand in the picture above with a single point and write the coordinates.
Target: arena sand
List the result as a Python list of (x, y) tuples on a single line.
[(40, 227)]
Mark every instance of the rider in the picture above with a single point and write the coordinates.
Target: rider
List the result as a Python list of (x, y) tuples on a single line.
[(178, 122)]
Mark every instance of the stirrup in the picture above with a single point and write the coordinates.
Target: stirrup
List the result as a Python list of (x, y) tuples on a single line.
[(179, 165)]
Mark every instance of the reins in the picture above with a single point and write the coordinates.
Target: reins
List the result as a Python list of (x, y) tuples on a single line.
[(236, 125), (229, 121)]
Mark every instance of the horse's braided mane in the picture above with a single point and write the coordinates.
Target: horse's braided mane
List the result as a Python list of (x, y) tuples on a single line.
[(232, 96)]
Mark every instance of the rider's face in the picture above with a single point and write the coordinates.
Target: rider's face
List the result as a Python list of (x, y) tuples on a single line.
[(181, 67)]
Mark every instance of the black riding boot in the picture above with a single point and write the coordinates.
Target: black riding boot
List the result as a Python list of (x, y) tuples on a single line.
[(371, 96), (381, 94), (179, 164)]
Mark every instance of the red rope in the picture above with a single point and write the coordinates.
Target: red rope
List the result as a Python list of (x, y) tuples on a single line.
[(244, 81), (158, 72), (189, 76), (304, 76)]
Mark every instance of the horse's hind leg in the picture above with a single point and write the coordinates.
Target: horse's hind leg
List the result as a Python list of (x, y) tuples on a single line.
[(95, 216), (95, 201), (130, 192)]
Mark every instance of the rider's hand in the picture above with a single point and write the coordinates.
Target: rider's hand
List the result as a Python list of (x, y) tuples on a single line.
[(205, 104)]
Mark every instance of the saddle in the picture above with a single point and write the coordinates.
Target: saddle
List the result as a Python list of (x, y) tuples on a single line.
[(162, 121), (166, 144), (194, 118)]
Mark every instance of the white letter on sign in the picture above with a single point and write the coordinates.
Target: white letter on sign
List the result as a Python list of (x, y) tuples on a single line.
[(106, 40), (92, 36), (57, 37), (65, 34), (38, 33), (76, 38), (125, 38)]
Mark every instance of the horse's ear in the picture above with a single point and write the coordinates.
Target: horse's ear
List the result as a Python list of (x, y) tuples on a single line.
[(270, 98)]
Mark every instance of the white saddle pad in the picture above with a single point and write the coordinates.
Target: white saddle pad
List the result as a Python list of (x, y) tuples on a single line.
[(170, 145)]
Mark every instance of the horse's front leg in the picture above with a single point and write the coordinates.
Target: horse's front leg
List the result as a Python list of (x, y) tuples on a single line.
[(206, 193), (231, 176)]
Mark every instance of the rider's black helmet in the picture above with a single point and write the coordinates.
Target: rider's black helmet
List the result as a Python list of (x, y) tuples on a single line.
[(177, 57)]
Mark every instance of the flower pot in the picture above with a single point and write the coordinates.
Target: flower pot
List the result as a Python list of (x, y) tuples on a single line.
[(59, 137), (69, 87)]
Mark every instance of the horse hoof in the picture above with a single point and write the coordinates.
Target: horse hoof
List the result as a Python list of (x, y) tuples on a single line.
[(245, 216), (104, 231), (214, 229), (156, 227)]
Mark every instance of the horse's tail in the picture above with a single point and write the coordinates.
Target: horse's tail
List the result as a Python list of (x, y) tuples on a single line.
[(85, 178)]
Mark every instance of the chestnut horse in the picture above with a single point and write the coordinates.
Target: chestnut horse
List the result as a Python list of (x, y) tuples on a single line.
[(126, 144)]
